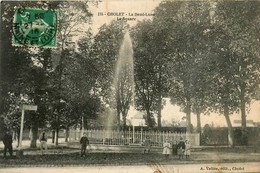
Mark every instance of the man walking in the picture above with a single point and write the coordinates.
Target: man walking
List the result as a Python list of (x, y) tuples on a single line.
[(84, 142), (7, 140)]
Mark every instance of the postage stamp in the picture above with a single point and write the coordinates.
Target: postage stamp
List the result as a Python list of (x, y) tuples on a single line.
[(35, 28)]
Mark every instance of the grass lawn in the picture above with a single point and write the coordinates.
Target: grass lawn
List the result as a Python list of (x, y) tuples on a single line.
[(69, 159), (63, 157), (75, 159)]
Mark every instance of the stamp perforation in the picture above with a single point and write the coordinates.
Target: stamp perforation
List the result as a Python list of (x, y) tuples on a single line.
[(26, 27)]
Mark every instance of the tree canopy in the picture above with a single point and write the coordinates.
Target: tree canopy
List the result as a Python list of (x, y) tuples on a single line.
[(204, 56)]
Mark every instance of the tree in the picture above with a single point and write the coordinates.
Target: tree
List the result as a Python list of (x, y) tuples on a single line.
[(144, 70), (201, 86), (20, 69), (73, 17), (39, 92), (81, 96), (41, 79), (185, 47), (241, 23)]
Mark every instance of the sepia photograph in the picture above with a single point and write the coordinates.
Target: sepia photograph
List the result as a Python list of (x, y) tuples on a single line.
[(143, 86)]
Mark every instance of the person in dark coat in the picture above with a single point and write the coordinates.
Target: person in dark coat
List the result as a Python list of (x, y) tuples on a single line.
[(7, 140), (43, 140), (181, 148), (84, 142), (174, 147)]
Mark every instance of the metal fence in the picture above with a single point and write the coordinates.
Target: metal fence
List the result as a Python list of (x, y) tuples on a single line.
[(132, 137)]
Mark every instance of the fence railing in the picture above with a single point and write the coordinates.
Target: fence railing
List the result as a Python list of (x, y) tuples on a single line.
[(130, 137)]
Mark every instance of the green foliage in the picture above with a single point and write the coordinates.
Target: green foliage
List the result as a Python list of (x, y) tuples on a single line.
[(151, 69), (58, 86), (105, 51), (185, 47), (203, 55)]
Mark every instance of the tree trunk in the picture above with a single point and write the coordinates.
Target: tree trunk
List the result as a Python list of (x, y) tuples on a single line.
[(243, 106), (243, 113), (124, 122), (230, 130), (53, 136), (148, 118), (118, 119), (198, 122), (188, 109), (34, 135), (159, 118), (57, 136), (82, 126), (18, 136), (243, 116)]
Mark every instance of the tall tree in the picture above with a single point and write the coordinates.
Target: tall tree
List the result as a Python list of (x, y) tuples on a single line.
[(73, 19), (40, 75), (185, 47), (241, 23), (144, 70), (20, 69)]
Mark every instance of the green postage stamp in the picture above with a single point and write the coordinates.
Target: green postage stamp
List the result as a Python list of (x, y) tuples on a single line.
[(35, 28)]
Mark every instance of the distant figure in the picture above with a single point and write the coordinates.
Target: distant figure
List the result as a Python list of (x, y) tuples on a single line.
[(167, 148), (43, 141), (181, 148), (174, 147), (187, 149), (84, 142), (7, 140), (147, 145)]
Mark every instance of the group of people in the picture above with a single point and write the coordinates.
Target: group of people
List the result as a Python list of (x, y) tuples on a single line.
[(181, 148), (83, 141), (8, 142)]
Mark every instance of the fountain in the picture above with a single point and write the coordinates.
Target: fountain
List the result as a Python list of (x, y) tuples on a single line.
[(123, 81)]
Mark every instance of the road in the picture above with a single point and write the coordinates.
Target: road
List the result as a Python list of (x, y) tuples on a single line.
[(189, 168)]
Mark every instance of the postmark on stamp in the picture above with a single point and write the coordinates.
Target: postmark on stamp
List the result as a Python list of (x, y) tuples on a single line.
[(35, 28)]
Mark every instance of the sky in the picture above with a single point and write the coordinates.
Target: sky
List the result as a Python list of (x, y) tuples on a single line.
[(170, 112)]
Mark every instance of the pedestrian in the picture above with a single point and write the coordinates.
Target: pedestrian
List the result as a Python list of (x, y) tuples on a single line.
[(84, 142), (187, 149), (174, 147), (7, 140), (147, 145), (43, 142), (181, 148), (167, 148)]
